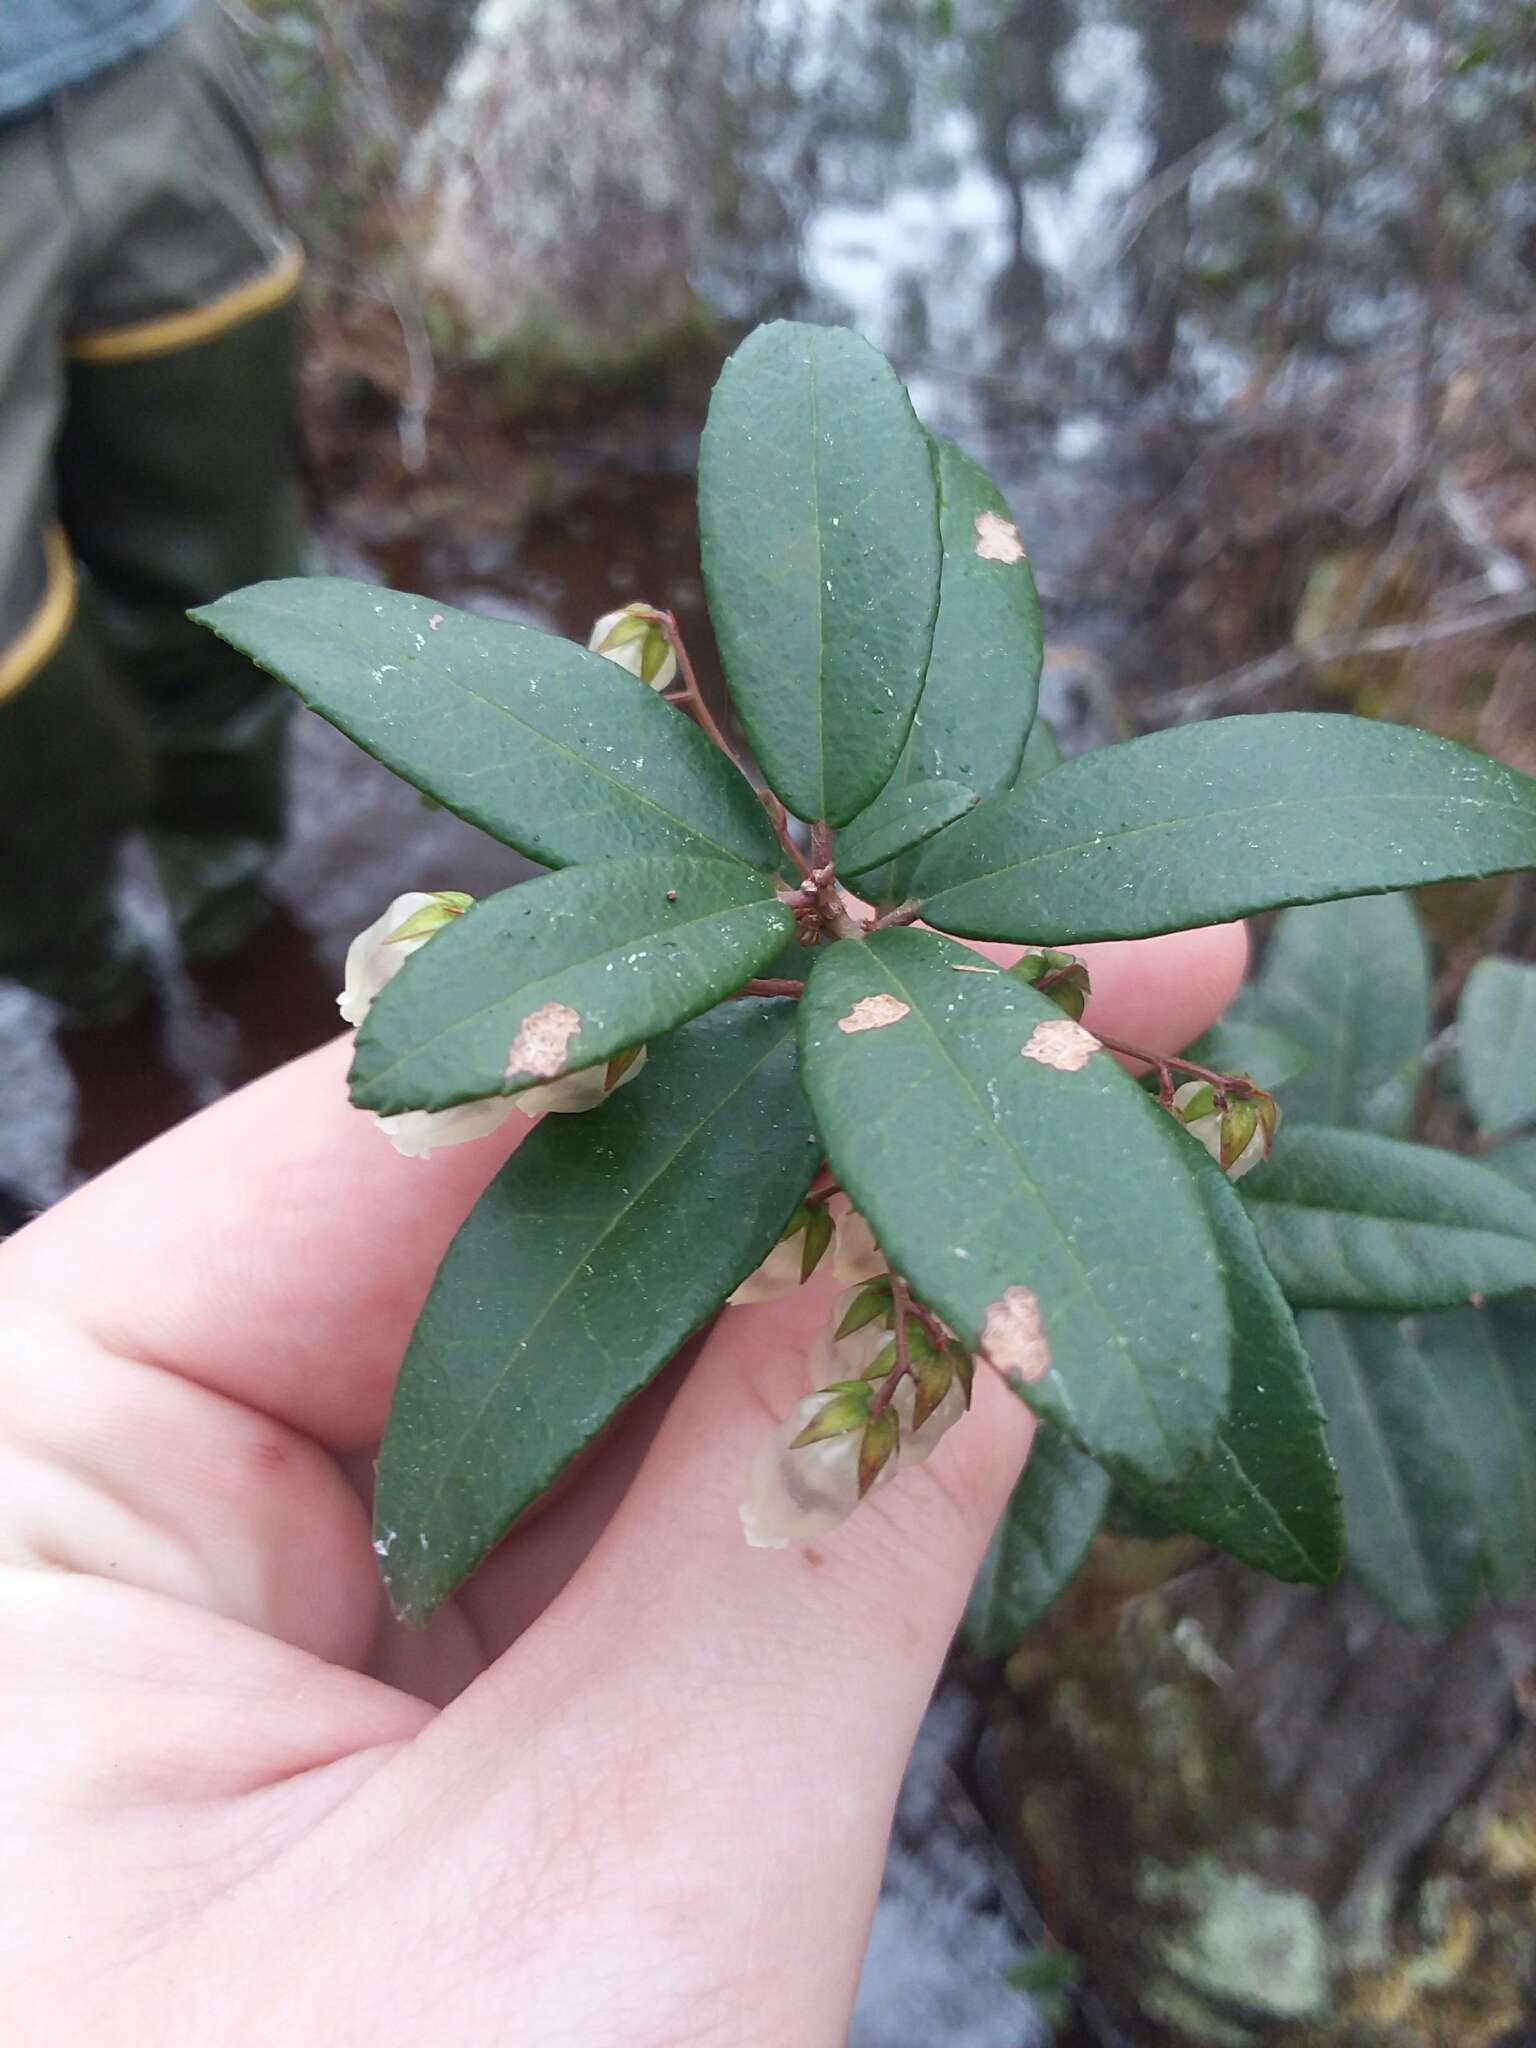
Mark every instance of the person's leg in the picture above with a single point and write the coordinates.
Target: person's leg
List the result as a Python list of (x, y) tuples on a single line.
[(176, 468), (74, 758)]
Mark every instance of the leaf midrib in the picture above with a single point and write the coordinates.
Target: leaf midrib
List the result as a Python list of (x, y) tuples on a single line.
[(580, 1266), (524, 990), (445, 678), (1061, 851), (987, 1122)]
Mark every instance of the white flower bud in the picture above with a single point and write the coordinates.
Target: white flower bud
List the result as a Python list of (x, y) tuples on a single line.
[(635, 642), (372, 962), (418, 1133), (855, 1256), (779, 1274), (1238, 1137), (573, 1093), (795, 1495)]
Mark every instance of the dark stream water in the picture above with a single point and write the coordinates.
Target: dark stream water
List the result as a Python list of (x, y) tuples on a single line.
[(960, 199)]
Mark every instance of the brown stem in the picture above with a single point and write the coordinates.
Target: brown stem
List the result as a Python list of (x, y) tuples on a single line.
[(780, 817), (768, 985), (692, 698), (904, 913), (1225, 1084), (885, 1392), (829, 900)]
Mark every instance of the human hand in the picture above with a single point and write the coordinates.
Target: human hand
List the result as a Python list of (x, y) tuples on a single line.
[(633, 1787)]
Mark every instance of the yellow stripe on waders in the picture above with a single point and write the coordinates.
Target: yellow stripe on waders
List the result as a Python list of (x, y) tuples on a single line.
[(174, 331), (39, 639)]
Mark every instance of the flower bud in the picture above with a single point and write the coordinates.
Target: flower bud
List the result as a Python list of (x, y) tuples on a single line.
[(1238, 1134), (379, 952), (418, 1133), (793, 1259), (1061, 976), (631, 638), (802, 1484)]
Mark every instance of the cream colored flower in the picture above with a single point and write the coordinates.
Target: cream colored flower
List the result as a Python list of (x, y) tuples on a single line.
[(795, 1495), (418, 1133), (635, 642), (573, 1093), (372, 962)]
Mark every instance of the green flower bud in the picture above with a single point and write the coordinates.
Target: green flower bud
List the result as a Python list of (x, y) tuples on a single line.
[(1061, 976)]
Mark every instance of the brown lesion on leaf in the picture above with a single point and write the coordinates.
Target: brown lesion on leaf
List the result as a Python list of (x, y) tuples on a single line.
[(997, 539), (873, 1013), (1060, 1043), (1013, 1337), (542, 1041)]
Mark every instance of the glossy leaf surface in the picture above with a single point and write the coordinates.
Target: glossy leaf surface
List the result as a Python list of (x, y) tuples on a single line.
[(1268, 1493), (611, 953), (604, 1241), (1208, 822), (543, 745), (985, 1168), (819, 537), (903, 815)]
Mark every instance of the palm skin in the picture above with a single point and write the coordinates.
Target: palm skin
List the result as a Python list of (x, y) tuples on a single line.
[(633, 1787)]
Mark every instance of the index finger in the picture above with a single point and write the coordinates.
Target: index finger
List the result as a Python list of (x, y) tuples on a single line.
[(276, 1249)]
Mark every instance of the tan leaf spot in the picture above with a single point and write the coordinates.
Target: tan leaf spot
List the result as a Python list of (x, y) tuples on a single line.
[(542, 1038), (997, 539), (1061, 1043), (1013, 1335), (873, 1013)]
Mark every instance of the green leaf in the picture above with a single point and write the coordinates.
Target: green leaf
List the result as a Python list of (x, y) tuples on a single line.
[(1239, 1044), (819, 536), (600, 1245), (902, 816), (1215, 821), (626, 949), (978, 703), (983, 678), (1515, 1161), (1484, 1368), (1350, 1220), (983, 1171), (553, 750), (1496, 1044), (1037, 1547), (1410, 1509), (1268, 1493), (1350, 982), (1041, 754)]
